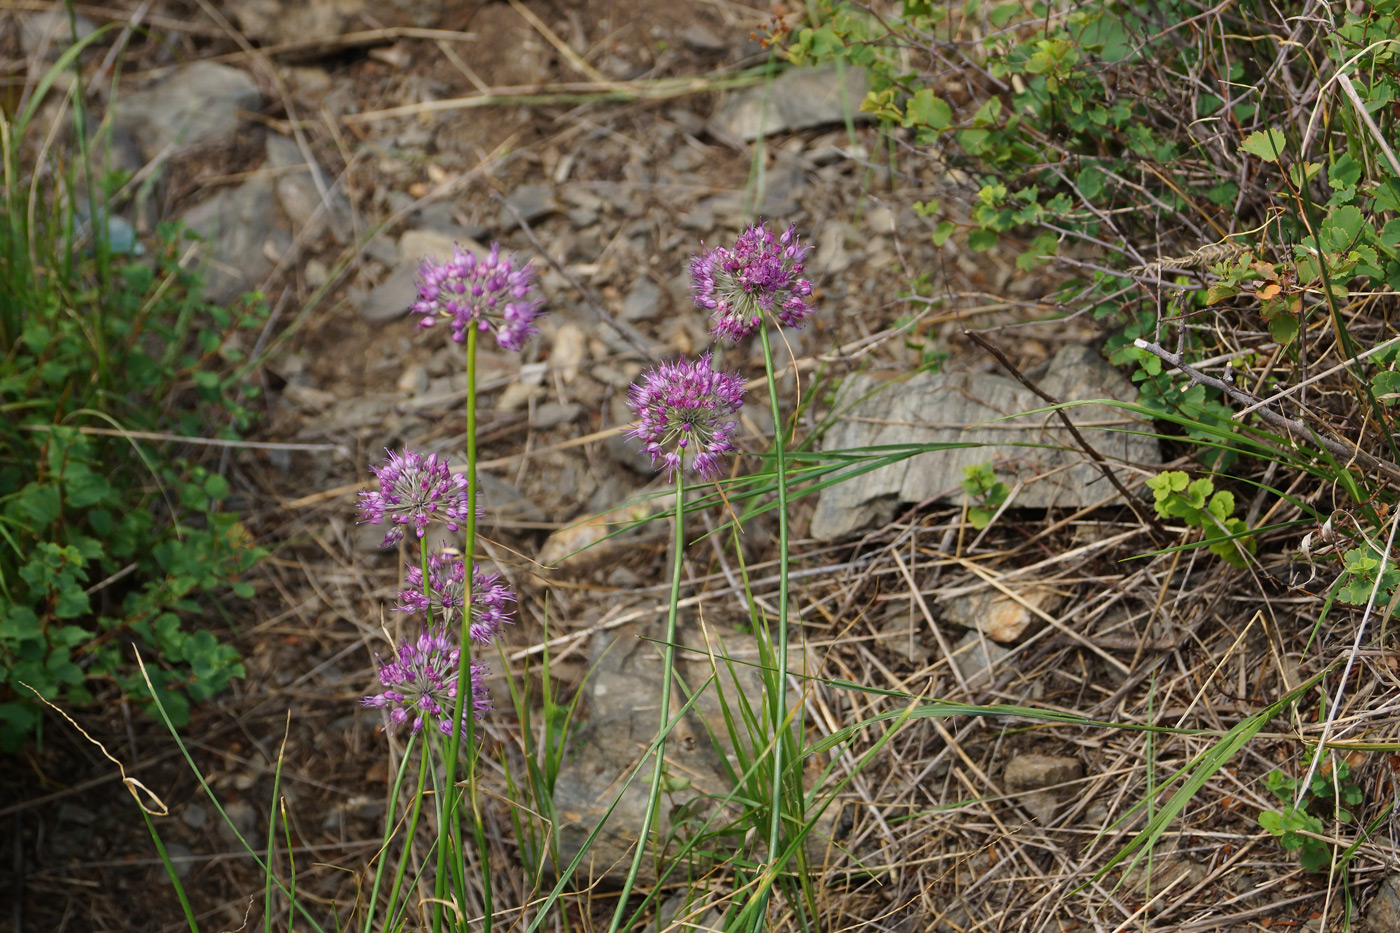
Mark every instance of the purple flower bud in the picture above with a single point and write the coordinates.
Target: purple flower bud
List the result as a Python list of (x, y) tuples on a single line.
[(421, 685), (414, 491), (489, 294), (760, 274), (682, 410), (447, 578)]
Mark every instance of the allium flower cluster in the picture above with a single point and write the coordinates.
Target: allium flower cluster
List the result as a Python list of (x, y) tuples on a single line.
[(683, 412), (488, 294), (447, 584), (414, 490), (760, 274), (420, 685)]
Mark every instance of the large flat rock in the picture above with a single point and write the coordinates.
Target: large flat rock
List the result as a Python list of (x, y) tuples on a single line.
[(1033, 449)]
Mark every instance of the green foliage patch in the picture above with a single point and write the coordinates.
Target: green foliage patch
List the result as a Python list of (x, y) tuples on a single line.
[(109, 533)]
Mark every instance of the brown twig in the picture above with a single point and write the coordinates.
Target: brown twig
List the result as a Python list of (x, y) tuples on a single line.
[(1346, 452)]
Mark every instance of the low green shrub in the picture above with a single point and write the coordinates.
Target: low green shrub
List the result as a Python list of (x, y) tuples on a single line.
[(110, 531)]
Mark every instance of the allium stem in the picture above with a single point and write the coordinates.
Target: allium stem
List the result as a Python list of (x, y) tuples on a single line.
[(778, 702), (450, 815), (423, 767), (668, 665), (390, 822)]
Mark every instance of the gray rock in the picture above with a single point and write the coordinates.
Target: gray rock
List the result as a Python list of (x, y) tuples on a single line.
[(796, 100), (902, 634), (390, 299), (504, 502), (50, 32), (552, 414), (965, 408), (643, 301), (832, 256), (619, 721), (241, 820), (700, 38), (997, 615), (181, 859), (531, 201), (243, 229), (310, 214), (440, 217), (1383, 916), (194, 816), (195, 104), (978, 660), (1035, 772), (1036, 778), (279, 21)]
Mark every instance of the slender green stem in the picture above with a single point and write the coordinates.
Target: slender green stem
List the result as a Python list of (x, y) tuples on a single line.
[(423, 767), (668, 665), (777, 703), (291, 866), (465, 726), (388, 832)]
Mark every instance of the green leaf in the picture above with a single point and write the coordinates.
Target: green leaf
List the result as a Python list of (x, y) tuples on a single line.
[(1386, 387), (1001, 14), (1267, 145), (926, 109), (1387, 195), (979, 241), (942, 232), (1344, 173)]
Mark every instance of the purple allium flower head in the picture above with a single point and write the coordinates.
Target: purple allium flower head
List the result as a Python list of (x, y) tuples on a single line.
[(682, 410), (489, 294), (414, 490), (447, 578), (420, 685), (759, 274)]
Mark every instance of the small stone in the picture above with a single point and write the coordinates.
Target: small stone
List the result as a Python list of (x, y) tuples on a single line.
[(1383, 916), (568, 350), (581, 217), (181, 859), (194, 816), (277, 21), (315, 273), (240, 226), (700, 38), (880, 219), (552, 414), (531, 201), (643, 301), (795, 100), (391, 298), (242, 819), (50, 30), (195, 104), (998, 616), (1036, 779), (1033, 772), (417, 245), (978, 660), (516, 396), (413, 380), (299, 196), (900, 635), (832, 255)]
